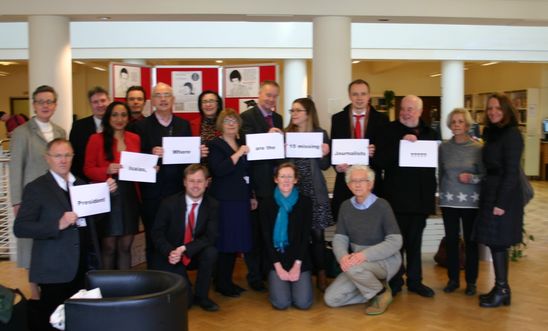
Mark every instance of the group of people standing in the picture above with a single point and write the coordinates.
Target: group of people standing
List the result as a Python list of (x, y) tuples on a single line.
[(275, 212)]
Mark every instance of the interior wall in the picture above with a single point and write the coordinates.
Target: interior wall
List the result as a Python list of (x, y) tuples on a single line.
[(13, 86), (502, 77)]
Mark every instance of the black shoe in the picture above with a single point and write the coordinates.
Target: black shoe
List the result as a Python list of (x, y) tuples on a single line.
[(422, 290), (487, 295), (257, 286), (237, 288), (501, 296), (206, 304), (452, 285), (230, 292), (470, 290)]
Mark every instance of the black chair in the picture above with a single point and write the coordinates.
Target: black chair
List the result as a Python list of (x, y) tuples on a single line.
[(132, 300)]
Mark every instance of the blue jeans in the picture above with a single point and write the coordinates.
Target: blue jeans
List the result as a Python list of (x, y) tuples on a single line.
[(284, 293)]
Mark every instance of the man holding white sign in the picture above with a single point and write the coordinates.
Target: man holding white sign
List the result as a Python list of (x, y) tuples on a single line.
[(358, 120), (59, 253), (410, 190)]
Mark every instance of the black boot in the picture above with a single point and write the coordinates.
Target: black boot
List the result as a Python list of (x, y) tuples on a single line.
[(500, 294)]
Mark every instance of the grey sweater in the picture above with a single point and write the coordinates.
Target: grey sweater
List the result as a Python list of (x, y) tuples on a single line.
[(373, 231), (454, 159)]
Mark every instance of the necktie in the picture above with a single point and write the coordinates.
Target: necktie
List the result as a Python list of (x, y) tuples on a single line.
[(358, 127), (268, 119), (188, 231)]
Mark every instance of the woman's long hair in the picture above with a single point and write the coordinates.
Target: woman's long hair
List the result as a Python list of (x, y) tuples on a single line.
[(508, 112), (312, 122), (108, 131)]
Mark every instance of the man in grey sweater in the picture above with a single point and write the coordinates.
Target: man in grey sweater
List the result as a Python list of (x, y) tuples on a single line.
[(366, 244)]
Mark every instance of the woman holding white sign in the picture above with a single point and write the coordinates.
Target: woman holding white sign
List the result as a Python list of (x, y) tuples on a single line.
[(230, 186), (103, 161), (304, 118), (460, 171)]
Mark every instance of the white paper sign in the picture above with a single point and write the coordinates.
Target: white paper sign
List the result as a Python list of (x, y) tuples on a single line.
[(90, 199), (265, 146), (181, 150), (421, 153), (303, 144), (350, 151), (138, 167)]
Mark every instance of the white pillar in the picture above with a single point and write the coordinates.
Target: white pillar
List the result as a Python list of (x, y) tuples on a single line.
[(50, 62), (295, 84), (331, 66), (452, 92)]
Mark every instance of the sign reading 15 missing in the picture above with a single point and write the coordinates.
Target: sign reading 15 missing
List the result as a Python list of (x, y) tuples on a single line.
[(303, 144), (350, 151)]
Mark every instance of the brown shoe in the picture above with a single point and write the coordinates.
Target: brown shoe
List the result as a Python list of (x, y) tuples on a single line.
[(379, 303)]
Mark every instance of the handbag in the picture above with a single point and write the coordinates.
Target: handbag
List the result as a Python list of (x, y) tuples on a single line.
[(526, 187), (13, 316), (441, 254)]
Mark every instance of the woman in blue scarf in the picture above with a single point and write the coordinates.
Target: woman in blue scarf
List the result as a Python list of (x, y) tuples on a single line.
[(286, 220)]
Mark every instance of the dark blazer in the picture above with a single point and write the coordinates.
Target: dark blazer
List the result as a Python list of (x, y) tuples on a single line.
[(55, 253), (501, 187), (81, 130), (408, 189), (262, 171), (342, 128), (298, 232), (228, 178), (169, 179), (168, 231)]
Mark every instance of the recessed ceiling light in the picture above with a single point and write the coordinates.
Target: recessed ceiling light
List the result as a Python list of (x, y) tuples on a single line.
[(218, 61), (100, 68), (489, 63), (79, 62), (434, 75), (7, 63), (355, 61), (105, 18)]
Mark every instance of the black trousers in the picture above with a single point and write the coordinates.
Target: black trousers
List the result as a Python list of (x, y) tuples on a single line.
[(149, 209), (255, 258), (411, 227), (452, 218)]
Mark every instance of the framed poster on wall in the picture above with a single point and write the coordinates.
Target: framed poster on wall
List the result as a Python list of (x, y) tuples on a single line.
[(241, 83), (125, 75)]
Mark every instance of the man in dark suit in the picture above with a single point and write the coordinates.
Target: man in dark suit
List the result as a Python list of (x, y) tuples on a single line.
[(58, 262), (356, 121), (185, 231), (409, 190), (83, 128), (169, 179), (261, 119)]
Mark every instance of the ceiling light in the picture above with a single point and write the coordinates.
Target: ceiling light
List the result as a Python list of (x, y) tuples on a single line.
[(218, 61), (105, 18), (100, 68), (434, 75), (355, 61), (7, 63), (79, 62), (489, 63)]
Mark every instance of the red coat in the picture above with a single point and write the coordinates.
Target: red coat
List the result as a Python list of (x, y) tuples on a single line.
[(96, 164)]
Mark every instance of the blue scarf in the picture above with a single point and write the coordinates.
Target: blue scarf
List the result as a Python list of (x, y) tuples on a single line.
[(279, 237)]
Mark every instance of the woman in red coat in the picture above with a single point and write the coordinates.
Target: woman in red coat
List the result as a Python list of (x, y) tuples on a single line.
[(103, 161)]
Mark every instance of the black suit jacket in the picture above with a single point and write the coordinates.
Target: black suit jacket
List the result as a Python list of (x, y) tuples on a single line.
[(262, 171), (169, 179), (298, 232), (55, 253), (81, 130), (168, 231), (342, 128)]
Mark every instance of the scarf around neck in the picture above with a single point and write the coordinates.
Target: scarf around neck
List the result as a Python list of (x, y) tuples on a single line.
[(279, 237)]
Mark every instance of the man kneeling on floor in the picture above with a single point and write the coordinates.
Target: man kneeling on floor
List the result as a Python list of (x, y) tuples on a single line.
[(366, 244)]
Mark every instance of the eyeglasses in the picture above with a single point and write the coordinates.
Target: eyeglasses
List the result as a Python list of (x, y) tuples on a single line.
[(45, 102), (230, 121), (61, 156), (208, 102), (359, 181), (162, 95), (296, 110), (135, 99)]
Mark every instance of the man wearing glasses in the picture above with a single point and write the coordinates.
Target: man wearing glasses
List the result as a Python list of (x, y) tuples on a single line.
[(59, 252), (28, 146), (169, 179)]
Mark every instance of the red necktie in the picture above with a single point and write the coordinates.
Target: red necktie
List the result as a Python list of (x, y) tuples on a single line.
[(358, 127), (188, 232), (268, 119)]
